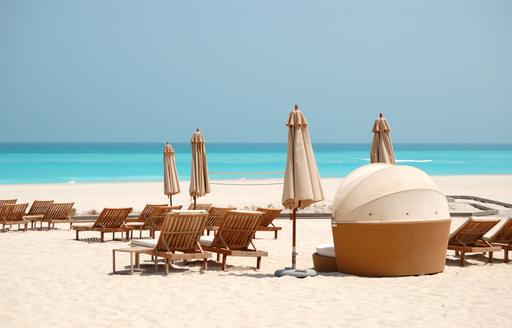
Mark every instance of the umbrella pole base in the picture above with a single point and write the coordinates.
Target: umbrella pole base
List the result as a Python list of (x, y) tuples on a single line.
[(295, 273)]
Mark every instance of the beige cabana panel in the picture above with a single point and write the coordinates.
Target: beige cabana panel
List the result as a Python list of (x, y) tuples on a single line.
[(384, 192)]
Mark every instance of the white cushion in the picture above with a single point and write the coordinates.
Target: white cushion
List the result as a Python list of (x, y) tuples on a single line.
[(151, 243), (326, 249), (206, 240)]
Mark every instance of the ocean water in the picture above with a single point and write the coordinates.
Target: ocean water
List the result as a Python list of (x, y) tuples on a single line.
[(110, 162)]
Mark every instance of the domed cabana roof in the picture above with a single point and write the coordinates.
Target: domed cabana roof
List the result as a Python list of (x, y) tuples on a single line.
[(384, 192)]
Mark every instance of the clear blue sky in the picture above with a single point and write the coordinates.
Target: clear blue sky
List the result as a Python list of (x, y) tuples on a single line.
[(139, 70)]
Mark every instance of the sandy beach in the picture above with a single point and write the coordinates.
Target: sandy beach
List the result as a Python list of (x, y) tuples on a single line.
[(51, 280)]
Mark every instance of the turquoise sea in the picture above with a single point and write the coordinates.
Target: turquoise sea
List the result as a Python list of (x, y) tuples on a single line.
[(107, 162)]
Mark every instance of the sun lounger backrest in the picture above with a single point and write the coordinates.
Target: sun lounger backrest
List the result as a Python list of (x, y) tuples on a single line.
[(7, 202), (504, 233), (181, 230), (472, 231), (204, 207), (58, 211), (12, 212), (156, 218), (148, 209), (112, 217), (216, 215), (237, 230), (269, 215), (39, 207)]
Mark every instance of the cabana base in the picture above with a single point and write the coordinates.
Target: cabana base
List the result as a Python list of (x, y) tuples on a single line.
[(382, 249), (324, 263)]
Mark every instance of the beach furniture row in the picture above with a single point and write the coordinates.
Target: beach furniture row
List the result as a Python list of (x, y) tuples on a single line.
[(46, 211)]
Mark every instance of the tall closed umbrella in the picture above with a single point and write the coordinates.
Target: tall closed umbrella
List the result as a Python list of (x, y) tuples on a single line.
[(171, 183), (199, 182), (382, 146), (302, 186)]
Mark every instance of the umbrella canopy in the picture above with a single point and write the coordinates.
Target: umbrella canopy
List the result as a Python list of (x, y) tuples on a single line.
[(171, 183), (199, 181), (302, 185), (382, 147)]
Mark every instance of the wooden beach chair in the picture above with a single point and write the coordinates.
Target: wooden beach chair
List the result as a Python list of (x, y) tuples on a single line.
[(109, 220), (180, 232), (469, 238), (146, 211), (204, 207), (234, 237), (7, 202), (155, 220), (58, 213), (151, 218), (503, 238), (266, 221), (215, 217), (37, 211), (11, 214)]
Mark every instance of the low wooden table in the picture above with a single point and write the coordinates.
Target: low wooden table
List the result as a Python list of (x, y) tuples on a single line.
[(131, 251)]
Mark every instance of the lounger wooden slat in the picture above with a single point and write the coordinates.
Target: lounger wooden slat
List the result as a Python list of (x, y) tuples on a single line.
[(58, 213), (7, 202), (12, 214), (503, 238), (204, 207), (469, 238), (180, 232), (266, 221), (37, 211), (109, 220), (234, 237), (215, 217)]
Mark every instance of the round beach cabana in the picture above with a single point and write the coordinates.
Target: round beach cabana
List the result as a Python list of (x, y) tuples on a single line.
[(387, 220)]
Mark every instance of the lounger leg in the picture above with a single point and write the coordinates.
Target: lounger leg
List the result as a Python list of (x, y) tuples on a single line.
[(166, 266), (131, 263), (490, 257), (102, 236), (258, 262), (113, 261), (26, 227), (506, 255), (156, 264), (137, 260), (456, 253), (462, 258), (77, 235), (218, 257), (224, 258), (207, 232), (275, 234), (205, 264), (113, 235)]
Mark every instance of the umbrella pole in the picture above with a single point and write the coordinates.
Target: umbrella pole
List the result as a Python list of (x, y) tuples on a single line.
[(294, 253), (170, 200), (194, 202)]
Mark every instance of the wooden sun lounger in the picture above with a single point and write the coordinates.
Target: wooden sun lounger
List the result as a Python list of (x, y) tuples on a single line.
[(204, 207), (109, 220), (146, 211), (155, 220), (58, 213), (234, 237), (7, 202), (215, 217), (469, 238), (266, 220), (503, 238), (180, 232), (11, 214), (37, 211)]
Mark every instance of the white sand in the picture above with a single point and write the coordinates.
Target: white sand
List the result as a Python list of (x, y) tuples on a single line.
[(50, 280)]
